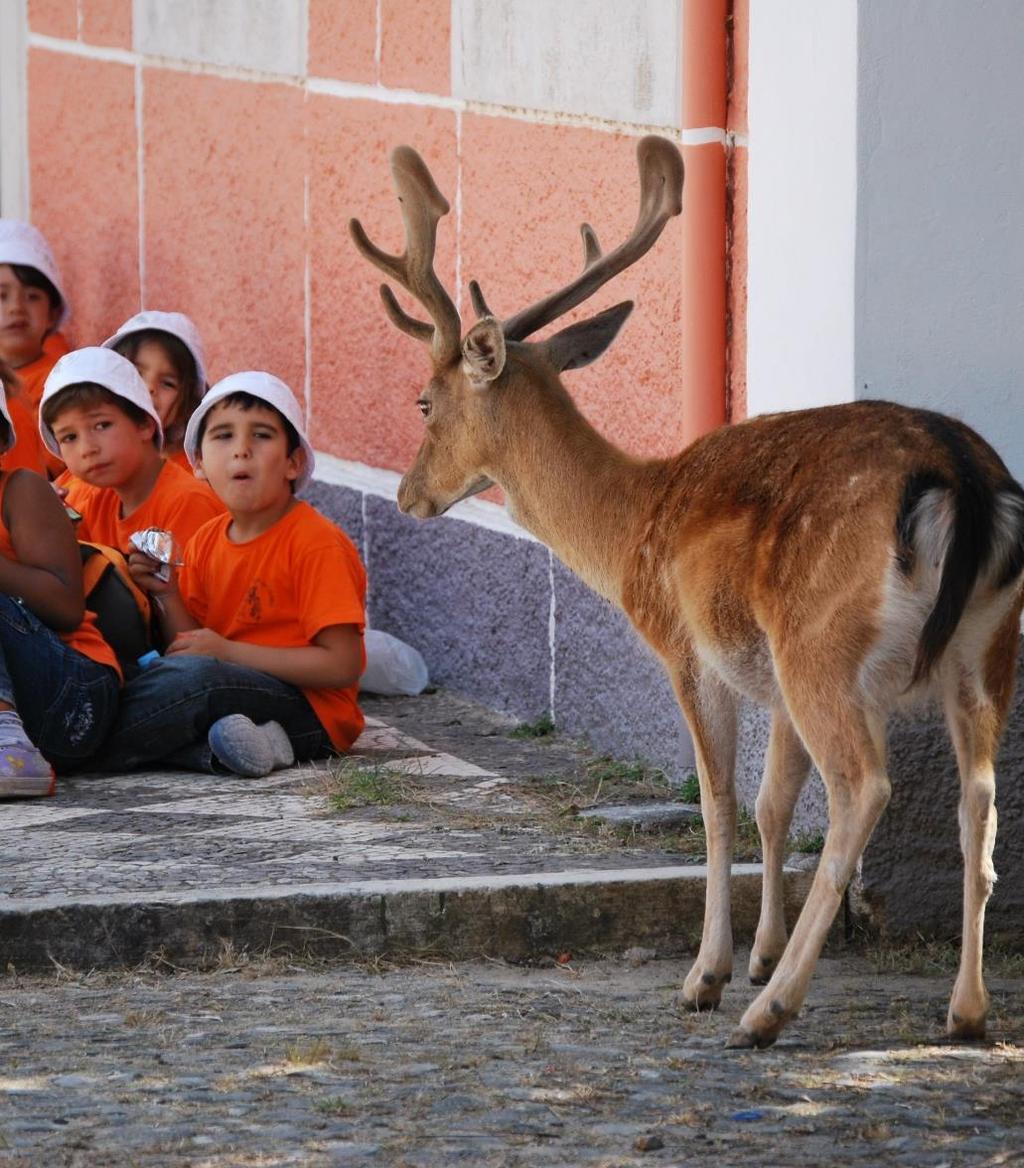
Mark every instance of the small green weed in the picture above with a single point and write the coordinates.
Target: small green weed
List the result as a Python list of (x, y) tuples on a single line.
[(807, 841), (542, 728), (689, 792), (334, 1105), (356, 785)]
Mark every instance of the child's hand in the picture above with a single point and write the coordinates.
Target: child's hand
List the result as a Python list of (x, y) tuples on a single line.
[(143, 569), (61, 492), (201, 643)]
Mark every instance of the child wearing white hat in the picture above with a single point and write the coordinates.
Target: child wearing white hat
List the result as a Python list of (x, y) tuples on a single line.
[(98, 416), (167, 350), (59, 679), (32, 308), (264, 620)]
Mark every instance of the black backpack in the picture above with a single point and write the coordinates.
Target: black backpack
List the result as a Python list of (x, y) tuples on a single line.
[(122, 609)]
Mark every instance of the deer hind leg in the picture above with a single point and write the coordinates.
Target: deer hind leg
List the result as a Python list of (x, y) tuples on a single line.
[(710, 709), (975, 715), (848, 744), (785, 772)]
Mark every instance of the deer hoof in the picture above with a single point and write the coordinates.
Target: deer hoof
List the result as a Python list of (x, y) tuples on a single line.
[(698, 1004), (703, 991), (741, 1039), (761, 969), (965, 1029)]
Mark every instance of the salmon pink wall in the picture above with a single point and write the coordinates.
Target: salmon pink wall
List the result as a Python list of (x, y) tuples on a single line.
[(84, 184), (183, 168)]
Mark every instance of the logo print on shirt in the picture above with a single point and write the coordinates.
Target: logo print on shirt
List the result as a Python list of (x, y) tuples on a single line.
[(253, 603)]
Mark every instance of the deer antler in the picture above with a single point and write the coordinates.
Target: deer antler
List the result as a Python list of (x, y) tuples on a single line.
[(661, 197), (423, 205), (591, 254)]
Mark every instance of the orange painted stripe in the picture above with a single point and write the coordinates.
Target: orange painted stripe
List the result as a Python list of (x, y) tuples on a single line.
[(705, 96)]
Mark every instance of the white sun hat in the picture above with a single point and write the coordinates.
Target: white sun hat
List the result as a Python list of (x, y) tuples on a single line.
[(267, 388), (21, 243), (98, 366), (175, 323)]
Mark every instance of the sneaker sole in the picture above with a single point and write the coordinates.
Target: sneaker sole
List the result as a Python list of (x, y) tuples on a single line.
[(27, 786)]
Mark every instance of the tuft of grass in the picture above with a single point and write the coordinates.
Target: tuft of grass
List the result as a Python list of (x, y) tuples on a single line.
[(807, 841), (356, 785), (334, 1105), (308, 1054), (542, 728), (748, 840), (923, 955), (689, 792)]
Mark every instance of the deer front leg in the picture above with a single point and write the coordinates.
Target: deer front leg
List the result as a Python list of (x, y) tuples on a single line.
[(710, 709), (785, 772)]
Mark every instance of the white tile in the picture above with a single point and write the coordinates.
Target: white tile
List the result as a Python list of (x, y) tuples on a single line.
[(268, 36), (620, 62), (436, 764)]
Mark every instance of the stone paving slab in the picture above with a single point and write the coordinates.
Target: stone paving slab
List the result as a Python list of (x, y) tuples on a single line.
[(117, 867)]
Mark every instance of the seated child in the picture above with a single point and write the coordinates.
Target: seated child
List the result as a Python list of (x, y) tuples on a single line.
[(32, 307), (265, 618), (59, 680), (98, 416), (166, 349)]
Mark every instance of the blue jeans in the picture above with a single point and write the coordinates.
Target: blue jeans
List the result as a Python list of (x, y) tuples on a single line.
[(168, 709), (67, 701)]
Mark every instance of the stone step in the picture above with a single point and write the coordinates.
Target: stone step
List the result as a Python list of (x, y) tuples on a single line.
[(527, 918)]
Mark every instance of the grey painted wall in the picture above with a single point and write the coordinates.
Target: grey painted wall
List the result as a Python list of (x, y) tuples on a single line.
[(940, 220), (499, 619)]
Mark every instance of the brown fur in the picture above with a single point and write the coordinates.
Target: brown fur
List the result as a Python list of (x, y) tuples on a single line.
[(792, 559)]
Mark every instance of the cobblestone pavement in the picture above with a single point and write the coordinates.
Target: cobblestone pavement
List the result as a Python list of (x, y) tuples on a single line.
[(490, 1065)]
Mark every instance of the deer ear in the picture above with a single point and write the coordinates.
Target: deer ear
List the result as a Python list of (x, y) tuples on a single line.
[(483, 352), (579, 344)]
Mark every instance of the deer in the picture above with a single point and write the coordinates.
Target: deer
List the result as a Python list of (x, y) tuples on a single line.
[(831, 564)]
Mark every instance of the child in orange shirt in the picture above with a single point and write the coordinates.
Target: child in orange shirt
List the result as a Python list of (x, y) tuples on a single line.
[(59, 679), (265, 619), (97, 414), (32, 308), (166, 349)]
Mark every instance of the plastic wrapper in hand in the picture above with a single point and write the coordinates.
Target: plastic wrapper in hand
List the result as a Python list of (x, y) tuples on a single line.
[(159, 545), (392, 666)]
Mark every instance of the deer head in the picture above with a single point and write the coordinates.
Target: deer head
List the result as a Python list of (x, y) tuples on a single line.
[(477, 376)]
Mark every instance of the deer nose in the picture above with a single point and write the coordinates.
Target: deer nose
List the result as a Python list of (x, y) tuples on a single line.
[(410, 502)]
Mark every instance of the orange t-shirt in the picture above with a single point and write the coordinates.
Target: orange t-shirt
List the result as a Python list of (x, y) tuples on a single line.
[(86, 639), (29, 450), (177, 503), (281, 589)]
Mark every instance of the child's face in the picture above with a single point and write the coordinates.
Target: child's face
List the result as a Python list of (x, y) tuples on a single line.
[(25, 319), (244, 457), (101, 445), (157, 371)]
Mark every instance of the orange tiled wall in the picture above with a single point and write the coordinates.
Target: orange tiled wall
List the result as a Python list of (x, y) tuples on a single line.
[(226, 193)]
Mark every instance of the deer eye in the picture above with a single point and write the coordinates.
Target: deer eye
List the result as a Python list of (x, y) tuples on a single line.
[(424, 404)]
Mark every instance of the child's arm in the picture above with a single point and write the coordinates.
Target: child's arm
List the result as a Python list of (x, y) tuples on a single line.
[(174, 617), (47, 573), (332, 661)]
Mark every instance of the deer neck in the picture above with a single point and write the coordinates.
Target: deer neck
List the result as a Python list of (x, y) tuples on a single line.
[(575, 491)]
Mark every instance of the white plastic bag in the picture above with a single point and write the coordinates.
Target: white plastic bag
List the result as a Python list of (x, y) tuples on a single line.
[(392, 666)]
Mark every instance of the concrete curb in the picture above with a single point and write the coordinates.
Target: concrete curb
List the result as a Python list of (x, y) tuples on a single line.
[(519, 918)]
